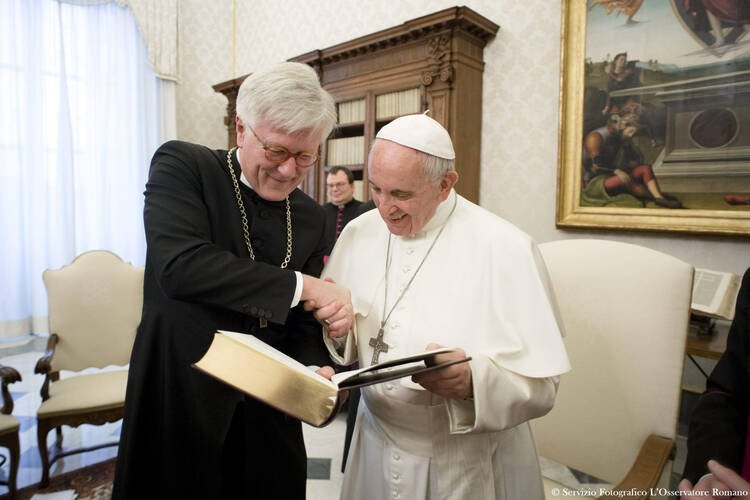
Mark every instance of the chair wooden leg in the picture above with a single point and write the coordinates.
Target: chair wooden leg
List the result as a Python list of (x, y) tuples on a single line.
[(41, 436), (15, 452), (58, 438)]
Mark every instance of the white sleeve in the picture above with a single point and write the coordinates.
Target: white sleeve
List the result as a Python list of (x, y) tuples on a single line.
[(501, 399), (343, 350), (297, 289)]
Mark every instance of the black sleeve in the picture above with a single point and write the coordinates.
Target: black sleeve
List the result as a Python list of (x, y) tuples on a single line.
[(182, 234), (364, 207), (718, 424)]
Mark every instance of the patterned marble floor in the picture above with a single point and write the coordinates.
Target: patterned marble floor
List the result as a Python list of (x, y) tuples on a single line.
[(324, 446)]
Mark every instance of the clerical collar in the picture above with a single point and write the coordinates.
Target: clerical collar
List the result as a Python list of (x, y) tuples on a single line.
[(345, 204), (442, 212), (243, 180)]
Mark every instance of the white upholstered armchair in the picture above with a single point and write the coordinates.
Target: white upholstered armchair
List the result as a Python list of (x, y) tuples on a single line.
[(626, 310), (94, 310)]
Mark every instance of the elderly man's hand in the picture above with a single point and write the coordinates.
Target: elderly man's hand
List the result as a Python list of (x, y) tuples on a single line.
[(449, 382), (722, 479), (331, 302), (336, 318)]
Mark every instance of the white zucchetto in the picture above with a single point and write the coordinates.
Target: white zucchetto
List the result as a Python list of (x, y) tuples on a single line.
[(419, 132)]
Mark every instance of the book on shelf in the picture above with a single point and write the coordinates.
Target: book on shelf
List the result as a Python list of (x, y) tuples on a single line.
[(715, 293), (403, 102), (345, 151), (257, 369), (359, 190), (351, 111)]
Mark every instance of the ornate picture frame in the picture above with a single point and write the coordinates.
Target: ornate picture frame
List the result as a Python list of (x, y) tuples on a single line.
[(654, 128)]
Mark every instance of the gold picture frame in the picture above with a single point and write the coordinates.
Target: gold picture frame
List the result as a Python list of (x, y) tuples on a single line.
[(729, 88)]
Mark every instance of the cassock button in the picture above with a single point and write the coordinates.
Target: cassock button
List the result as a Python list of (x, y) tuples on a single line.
[(254, 311), (389, 387), (396, 494), (396, 476), (409, 251), (258, 243), (263, 214), (261, 313), (406, 269), (269, 314), (396, 457)]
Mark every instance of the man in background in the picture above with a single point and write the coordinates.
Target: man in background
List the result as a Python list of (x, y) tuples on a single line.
[(342, 206)]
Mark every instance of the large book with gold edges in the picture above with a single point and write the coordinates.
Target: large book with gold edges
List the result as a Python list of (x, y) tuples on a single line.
[(257, 369)]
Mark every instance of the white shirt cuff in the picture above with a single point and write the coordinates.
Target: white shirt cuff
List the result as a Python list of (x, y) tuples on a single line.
[(704, 476), (297, 290)]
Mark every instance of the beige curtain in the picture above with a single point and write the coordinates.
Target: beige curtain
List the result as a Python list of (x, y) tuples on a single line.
[(157, 21)]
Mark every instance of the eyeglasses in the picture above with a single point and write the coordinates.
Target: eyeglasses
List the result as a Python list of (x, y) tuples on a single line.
[(279, 154), (337, 185)]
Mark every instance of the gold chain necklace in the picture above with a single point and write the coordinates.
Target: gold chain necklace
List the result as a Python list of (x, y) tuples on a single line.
[(245, 230)]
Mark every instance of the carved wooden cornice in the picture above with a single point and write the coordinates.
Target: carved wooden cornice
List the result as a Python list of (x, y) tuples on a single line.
[(449, 20), (434, 29)]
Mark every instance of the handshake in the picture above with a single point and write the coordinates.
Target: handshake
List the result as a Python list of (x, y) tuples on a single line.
[(331, 302)]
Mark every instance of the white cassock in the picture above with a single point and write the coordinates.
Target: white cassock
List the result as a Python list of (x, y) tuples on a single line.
[(483, 288)]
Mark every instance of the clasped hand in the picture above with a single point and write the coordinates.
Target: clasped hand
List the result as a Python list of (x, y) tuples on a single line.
[(450, 382), (332, 304)]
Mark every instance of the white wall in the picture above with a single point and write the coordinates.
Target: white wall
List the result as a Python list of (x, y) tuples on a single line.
[(521, 84), (205, 46)]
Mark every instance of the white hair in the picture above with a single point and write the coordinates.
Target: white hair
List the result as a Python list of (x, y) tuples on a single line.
[(435, 167), (287, 97)]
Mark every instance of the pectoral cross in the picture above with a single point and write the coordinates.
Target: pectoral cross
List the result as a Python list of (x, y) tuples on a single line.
[(378, 345)]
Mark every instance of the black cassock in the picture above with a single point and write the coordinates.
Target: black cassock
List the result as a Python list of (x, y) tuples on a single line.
[(719, 422), (186, 435), (349, 213)]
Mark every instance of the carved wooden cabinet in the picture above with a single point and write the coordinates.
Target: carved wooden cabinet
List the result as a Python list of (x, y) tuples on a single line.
[(433, 62)]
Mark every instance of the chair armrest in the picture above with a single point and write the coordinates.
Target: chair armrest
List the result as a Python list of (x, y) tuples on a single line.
[(648, 467), (44, 365), (8, 375)]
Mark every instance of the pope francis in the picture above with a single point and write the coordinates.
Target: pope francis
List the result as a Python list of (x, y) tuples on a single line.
[(426, 269)]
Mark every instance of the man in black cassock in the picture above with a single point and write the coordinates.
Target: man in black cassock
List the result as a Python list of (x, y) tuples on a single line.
[(721, 418), (232, 245), (342, 207)]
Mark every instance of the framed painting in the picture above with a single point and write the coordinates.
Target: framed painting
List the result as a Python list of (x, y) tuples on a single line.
[(655, 116)]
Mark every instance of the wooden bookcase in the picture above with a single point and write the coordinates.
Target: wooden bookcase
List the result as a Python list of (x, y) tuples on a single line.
[(438, 58)]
